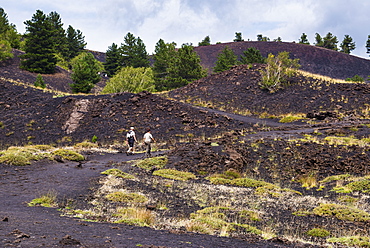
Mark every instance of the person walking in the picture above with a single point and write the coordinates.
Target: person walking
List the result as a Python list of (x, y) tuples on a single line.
[(131, 139), (148, 139)]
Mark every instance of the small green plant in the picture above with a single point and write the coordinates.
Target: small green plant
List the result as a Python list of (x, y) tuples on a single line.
[(309, 181), (342, 212), (134, 216), (68, 155), (150, 163), (174, 174), (40, 82), (347, 199), (47, 200), (318, 232), (352, 241), (94, 139), (124, 197), (290, 118), (361, 186), (335, 178), (86, 144), (2, 126), (118, 173)]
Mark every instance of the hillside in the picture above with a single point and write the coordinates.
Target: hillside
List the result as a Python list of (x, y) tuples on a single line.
[(237, 90), (251, 180), (312, 59)]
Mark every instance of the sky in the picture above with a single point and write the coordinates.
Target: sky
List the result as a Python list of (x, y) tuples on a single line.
[(104, 22)]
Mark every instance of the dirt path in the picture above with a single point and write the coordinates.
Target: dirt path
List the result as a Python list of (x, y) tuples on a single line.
[(23, 226)]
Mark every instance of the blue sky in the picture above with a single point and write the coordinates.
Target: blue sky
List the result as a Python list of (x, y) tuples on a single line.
[(104, 22)]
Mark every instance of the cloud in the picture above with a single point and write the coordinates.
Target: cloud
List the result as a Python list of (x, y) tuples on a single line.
[(189, 21)]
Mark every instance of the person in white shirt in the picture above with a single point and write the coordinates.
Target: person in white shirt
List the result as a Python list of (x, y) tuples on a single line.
[(131, 139), (148, 139)]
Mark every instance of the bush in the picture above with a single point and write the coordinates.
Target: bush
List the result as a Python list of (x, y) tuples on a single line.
[(278, 69), (126, 197), (69, 155), (174, 174), (318, 232), (118, 173), (342, 212)]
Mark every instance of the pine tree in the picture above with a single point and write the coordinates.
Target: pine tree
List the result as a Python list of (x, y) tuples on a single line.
[(319, 41), (75, 43), (368, 44), (133, 52), (5, 50), (85, 72), (330, 42), (303, 39), (40, 82), (4, 22), (225, 60), (184, 68), (113, 59), (39, 45), (8, 34), (347, 44), (59, 37), (163, 55), (205, 42), (262, 38), (238, 37), (252, 55)]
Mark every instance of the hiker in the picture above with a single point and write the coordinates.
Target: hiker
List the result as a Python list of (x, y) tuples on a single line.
[(131, 139), (148, 139)]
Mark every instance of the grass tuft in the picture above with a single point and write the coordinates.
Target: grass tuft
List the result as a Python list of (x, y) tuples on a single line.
[(174, 174), (118, 173)]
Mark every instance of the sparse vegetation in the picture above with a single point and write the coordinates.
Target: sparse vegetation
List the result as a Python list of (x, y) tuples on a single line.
[(118, 173), (69, 155), (318, 232), (150, 163), (48, 200), (342, 212), (174, 174), (357, 241), (133, 198)]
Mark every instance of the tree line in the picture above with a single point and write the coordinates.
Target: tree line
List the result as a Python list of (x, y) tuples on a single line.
[(129, 67)]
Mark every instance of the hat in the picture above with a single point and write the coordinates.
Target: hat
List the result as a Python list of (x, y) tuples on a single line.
[(132, 128)]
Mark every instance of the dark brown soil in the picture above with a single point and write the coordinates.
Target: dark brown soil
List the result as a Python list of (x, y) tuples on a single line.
[(313, 59)]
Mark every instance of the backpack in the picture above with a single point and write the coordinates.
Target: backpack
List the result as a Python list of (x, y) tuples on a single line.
[(130, 135)]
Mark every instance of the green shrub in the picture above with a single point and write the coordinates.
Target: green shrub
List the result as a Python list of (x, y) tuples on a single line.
[(174, 174), (86, 144), (118, 173), (155, 162), (47, 200), (342, 212), (335, 178), (94, 139), (248, 182), (288, 119), (279, 68), (249, 229), (357, 241), (21, 156), (69, 155), (361, 186), (318, 232), (126, 197)]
